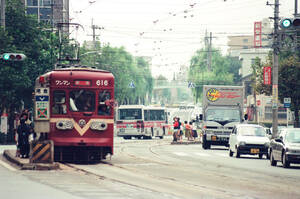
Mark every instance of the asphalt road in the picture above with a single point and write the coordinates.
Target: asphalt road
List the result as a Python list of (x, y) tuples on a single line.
[(157, 169), (188, 171)]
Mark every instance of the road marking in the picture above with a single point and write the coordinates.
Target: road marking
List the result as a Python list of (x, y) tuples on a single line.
[(4, 164), (180, 153), (202, 154), (222, 155)]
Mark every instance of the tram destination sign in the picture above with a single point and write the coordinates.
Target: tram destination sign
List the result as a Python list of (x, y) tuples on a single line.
[(42, 107)]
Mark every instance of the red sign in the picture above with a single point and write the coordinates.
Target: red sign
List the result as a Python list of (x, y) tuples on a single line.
[(258, 102), (257, 34), (267, 75)]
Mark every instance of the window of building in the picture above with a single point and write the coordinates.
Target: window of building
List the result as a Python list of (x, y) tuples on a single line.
[(45, 2), (32, 2), (245, 40)]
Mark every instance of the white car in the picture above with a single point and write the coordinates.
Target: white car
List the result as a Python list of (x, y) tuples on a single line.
[(250, 139)]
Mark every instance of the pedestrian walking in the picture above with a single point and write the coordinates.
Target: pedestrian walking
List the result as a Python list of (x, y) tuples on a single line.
[(194, 129), (180, 131), (175, 129), (23, 133), (189, 131)]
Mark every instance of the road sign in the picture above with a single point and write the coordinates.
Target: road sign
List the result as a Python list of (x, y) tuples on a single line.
[(258, 102), (287, 102), (42, 107), (191, 85), (131, 84)]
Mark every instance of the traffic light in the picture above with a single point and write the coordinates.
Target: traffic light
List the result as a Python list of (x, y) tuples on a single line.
[(13, 56), (289, 23)]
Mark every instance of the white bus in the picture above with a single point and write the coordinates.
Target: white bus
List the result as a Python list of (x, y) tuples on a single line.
[(156, 121), (141, 122)]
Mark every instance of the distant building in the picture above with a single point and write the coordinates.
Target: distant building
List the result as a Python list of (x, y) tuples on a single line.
[(242, 46), (239, 43), (48, 10)]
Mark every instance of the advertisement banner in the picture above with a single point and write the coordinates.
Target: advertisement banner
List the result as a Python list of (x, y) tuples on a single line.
[(267, 75)]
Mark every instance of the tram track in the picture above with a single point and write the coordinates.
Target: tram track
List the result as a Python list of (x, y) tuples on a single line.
[(140, 170), (139, 178)]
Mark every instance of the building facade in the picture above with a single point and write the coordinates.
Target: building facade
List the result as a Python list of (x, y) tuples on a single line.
[(49, 11)]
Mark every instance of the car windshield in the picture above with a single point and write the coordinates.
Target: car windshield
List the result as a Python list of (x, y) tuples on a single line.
[(293, 136), (251, 131)]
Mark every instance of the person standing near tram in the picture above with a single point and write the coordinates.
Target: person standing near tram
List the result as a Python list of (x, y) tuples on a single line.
[(23, 133)]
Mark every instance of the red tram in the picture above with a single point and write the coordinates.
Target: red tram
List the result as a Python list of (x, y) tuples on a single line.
[(74, 108)]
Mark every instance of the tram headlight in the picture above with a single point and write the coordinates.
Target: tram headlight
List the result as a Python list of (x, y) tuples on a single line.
[(64, 125), (100, 126)]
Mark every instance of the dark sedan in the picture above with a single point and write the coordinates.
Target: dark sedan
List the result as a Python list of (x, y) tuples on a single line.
[(286, 147)]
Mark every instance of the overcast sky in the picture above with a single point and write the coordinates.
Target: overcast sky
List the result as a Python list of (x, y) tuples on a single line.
[(170, 31)]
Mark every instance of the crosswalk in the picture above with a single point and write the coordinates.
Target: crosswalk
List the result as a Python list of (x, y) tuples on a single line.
[(200, 154)]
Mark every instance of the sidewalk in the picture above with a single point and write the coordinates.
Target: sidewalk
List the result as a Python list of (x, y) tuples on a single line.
[(24, 163)]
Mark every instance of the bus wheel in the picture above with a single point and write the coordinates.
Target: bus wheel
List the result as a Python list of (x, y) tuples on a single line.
[(127, 137), (161, 137)]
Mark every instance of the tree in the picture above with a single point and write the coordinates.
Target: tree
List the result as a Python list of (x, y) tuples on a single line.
[(24, 35), (224, 71), (288, 80), (125, 68)]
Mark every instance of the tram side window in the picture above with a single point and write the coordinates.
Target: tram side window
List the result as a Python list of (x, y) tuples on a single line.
[(82, 100), (104, 108), (59, 102)]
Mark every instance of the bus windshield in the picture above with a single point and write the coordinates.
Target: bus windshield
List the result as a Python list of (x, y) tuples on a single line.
[(130, 114)]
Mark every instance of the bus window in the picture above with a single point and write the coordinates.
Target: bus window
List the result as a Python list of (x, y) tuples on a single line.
[(59, 102), (130, 114), (103, 108), (146, 115), (82, 101), (157, 115)]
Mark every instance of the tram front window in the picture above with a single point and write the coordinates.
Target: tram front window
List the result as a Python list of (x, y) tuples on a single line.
[(59, 102), (82, 101), (103, 107)]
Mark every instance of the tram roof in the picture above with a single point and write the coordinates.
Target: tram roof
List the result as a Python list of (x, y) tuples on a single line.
[(79, 68)]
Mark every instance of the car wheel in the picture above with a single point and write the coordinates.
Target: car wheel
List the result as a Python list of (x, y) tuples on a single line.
[(260, 156), (272, 161), (230, 153), (237, 154), (285, 162)]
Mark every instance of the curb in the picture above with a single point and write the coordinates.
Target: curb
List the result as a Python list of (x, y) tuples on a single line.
[(24, 164)]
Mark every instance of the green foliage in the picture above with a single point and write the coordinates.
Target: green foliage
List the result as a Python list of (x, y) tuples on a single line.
[(224, 71), (288, 78), (125, 68), (24, 35)]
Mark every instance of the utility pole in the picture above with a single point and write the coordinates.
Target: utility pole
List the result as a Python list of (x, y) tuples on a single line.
[(94, 27), (2, 16), (208, 47), (275, 70), (296, 8)]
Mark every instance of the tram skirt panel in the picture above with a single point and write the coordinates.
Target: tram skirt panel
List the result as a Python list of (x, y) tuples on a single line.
[(41, 151)]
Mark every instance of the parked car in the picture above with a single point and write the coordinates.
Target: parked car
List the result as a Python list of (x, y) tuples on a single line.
[(248, 139), (286, 147)]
